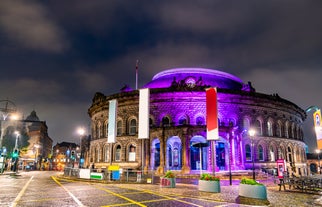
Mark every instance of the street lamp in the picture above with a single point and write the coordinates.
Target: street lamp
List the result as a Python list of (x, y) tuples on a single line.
[(37, 146), (252, 134), (7, 108), (81, 132), (318, 152), (17, 137)]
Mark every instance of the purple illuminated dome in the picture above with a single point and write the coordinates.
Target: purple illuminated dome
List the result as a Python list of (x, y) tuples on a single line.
[(195, 76)]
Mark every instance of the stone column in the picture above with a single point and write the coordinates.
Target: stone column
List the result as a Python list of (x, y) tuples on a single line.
[(185, 154)]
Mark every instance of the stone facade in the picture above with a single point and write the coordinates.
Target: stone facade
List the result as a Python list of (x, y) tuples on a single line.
[(178, 125)]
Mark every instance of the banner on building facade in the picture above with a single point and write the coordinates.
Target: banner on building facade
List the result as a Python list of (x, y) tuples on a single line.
[(318, 127), (212, 114), (112, 115), (144, 112)]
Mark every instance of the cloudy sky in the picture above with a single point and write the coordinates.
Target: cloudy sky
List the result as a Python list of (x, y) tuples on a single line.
[(54, 55)]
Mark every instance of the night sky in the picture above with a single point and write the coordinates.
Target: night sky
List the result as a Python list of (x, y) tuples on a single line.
[(54, 55)]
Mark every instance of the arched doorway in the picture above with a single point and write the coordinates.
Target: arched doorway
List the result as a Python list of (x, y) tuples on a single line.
[(155, 154), (195, 157), (173, 159), (313, 168)]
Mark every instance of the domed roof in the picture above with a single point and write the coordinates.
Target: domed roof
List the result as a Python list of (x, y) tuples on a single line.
[(32, 117), (195, 76)]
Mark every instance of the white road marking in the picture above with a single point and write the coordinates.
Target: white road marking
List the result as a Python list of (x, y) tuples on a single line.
[(14, 203), (71, 195)]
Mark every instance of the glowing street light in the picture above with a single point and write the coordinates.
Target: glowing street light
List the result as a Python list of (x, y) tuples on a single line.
[(252, 134), (81, 132)]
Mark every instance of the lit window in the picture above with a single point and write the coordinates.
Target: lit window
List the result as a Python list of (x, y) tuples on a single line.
[(248, 152), (260, 153), (132, 129), (119, 128), (118, 153)]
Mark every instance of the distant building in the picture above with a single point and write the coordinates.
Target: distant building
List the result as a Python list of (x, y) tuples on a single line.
[(178, 126), (40, 145), (65, 154), (314, 163)]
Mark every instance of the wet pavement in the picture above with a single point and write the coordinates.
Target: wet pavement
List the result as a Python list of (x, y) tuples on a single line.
[(49, 189)]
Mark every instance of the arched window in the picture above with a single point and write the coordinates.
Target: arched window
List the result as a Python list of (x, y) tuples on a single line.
[(258, 127), (246, 124), (279, 129), (132, 127), (270, 128), (165, 121), (183, 120), (287, 130), (118, 153), (200, 121), (272, 154), (260, 153), (106, 153), (105, 131), (248, 152), (119, 128), (289, 154), (281, 153), (132, 150)]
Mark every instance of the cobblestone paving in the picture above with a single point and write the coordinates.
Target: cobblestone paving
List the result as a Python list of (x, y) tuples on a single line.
[(276, 198)]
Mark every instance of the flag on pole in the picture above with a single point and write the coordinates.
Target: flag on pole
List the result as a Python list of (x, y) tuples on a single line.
[(212, 114), (144, 111), (136, 74), (112, 115)]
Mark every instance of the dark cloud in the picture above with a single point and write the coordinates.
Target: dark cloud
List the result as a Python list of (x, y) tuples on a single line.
[(56, 54), (28, 24)]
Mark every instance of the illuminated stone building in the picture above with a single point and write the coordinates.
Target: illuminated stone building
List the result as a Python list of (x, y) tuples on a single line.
[(178, 124)]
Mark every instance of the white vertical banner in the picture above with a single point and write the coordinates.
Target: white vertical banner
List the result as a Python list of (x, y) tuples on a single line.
[(144, 111), (112, 114)]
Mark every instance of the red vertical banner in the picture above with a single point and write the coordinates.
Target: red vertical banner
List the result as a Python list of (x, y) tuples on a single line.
[(212, 114), (280, 168)]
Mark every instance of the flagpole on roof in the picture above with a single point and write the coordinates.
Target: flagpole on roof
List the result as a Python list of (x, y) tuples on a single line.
[(136, 74)]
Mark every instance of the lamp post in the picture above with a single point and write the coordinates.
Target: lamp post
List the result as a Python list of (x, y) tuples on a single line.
[(318, 152), (81, 132), (252, 134), (37, 146), (7, 108)]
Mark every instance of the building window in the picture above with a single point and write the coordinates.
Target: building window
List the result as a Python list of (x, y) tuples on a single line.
[(279, 129), (260, 153), (182, 120), (105, 129), (272, 153), (132, 127), (118, 153), (286, 130), (119, 128), (106, 153), (246, 124), (248, 152), (200, 121), (132, 150), (165, 121), (270, 128), (258, 126)]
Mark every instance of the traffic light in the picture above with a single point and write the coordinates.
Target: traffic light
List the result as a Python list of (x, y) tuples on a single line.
[(72, 155), (15, 153)]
